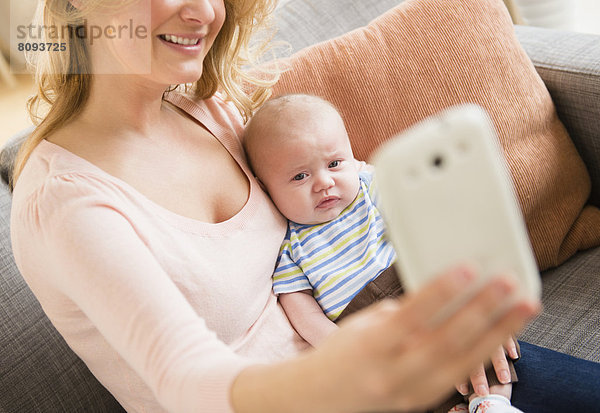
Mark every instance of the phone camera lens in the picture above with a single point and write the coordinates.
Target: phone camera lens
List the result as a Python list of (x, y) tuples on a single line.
[(438, 161)]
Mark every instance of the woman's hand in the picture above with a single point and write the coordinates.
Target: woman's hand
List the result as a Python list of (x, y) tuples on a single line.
[(409, 356), (499, 361), (394, 355)]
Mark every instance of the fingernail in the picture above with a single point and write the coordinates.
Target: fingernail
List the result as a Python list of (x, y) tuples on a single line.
[(504, 288), (463, 389), (482, 390), (513, 353), (464, 274), (504, 376)]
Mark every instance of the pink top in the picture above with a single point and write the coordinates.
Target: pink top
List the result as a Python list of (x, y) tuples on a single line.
[(164, 310)]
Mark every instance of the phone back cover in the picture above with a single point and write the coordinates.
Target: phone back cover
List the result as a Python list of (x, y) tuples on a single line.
[(448, 198)]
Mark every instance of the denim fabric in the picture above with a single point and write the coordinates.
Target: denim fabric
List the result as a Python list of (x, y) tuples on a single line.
[(555, 382)]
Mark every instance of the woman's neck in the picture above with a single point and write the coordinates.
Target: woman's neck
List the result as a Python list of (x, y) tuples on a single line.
[(124, 102)]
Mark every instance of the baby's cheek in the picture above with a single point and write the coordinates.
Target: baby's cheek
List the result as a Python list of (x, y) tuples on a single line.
[(299, 214), (288, 206)]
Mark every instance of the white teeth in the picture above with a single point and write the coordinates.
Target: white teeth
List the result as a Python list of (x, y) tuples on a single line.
[(180, 40)]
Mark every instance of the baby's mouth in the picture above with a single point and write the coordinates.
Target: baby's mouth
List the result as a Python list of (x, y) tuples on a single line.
[(328, 202)]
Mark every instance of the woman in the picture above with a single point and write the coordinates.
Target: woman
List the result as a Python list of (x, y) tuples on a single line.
[(157, 277)]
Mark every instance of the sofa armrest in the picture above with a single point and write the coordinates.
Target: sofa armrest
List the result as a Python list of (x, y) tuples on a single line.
[(8, 153), (569, 64)]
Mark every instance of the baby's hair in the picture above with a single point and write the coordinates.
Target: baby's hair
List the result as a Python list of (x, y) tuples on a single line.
[(275, 110), (280, 104)]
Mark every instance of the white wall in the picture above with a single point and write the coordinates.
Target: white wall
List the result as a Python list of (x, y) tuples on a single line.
[(577, 15)]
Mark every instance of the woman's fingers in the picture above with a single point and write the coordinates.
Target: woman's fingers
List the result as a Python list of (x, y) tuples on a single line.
[(417, 317), (511, 348), (463, 328), (452, 350), (410, 353), (501, 365), (405, 318), (463, 388), (478, 376), (479, 381), (484, 343), (421, 309)]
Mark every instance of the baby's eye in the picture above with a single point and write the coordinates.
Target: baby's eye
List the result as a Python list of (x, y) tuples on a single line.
[(334, 164), (299, 177)]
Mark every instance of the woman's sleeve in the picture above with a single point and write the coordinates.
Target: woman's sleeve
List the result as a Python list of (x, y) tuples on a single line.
[(88, 249)]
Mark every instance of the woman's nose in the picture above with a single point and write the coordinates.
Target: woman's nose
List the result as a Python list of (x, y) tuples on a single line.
[(198, 11)]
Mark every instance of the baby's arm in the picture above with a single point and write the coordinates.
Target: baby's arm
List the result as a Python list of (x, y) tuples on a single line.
[(306, 316)]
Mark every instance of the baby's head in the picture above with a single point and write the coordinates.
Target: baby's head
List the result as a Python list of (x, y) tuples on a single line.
[(299, 149)]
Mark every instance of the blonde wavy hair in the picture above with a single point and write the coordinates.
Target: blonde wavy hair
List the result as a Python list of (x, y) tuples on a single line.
[(63, 79)]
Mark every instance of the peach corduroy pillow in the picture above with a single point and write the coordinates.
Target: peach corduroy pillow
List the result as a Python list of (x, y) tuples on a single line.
[(425, 55)]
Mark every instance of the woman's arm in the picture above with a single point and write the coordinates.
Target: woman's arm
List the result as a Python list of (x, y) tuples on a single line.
[(92, 258), (307, 316), (394, 355)]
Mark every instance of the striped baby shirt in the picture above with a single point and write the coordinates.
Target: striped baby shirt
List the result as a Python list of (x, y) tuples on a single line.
[(336, 259)]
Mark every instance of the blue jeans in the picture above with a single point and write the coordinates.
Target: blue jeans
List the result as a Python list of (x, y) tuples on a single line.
[(555, 382)]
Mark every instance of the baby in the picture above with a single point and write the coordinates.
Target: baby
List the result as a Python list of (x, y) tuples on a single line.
[(335, 244), (335, 258)]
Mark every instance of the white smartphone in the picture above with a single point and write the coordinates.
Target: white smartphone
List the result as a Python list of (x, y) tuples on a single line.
[(447, 198)]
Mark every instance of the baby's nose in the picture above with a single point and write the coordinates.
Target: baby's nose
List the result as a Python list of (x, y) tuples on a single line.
[(324, 181)]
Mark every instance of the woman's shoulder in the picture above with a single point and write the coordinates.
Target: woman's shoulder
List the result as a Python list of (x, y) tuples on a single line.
[(53, 175), (217, 114), (217, 106)]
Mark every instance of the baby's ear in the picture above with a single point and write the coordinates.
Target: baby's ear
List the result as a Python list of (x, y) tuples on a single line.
[(363, 166)]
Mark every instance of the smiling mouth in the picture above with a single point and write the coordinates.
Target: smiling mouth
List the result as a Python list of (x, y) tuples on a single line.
[(184, 41)]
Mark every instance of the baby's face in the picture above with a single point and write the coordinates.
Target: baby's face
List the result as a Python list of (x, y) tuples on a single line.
[(310, 173)]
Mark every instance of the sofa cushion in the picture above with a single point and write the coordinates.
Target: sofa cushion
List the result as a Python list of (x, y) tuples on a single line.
[(422, 57), (38, 370)]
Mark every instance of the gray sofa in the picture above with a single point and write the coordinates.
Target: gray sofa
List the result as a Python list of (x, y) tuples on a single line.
[(39, 373)]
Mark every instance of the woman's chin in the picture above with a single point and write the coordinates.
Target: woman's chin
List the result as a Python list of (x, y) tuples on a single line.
[(171, 80), (184, 78)]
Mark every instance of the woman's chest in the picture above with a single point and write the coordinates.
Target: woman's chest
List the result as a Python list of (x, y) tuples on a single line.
[(219, 268), (181, 166), (201, 180)]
